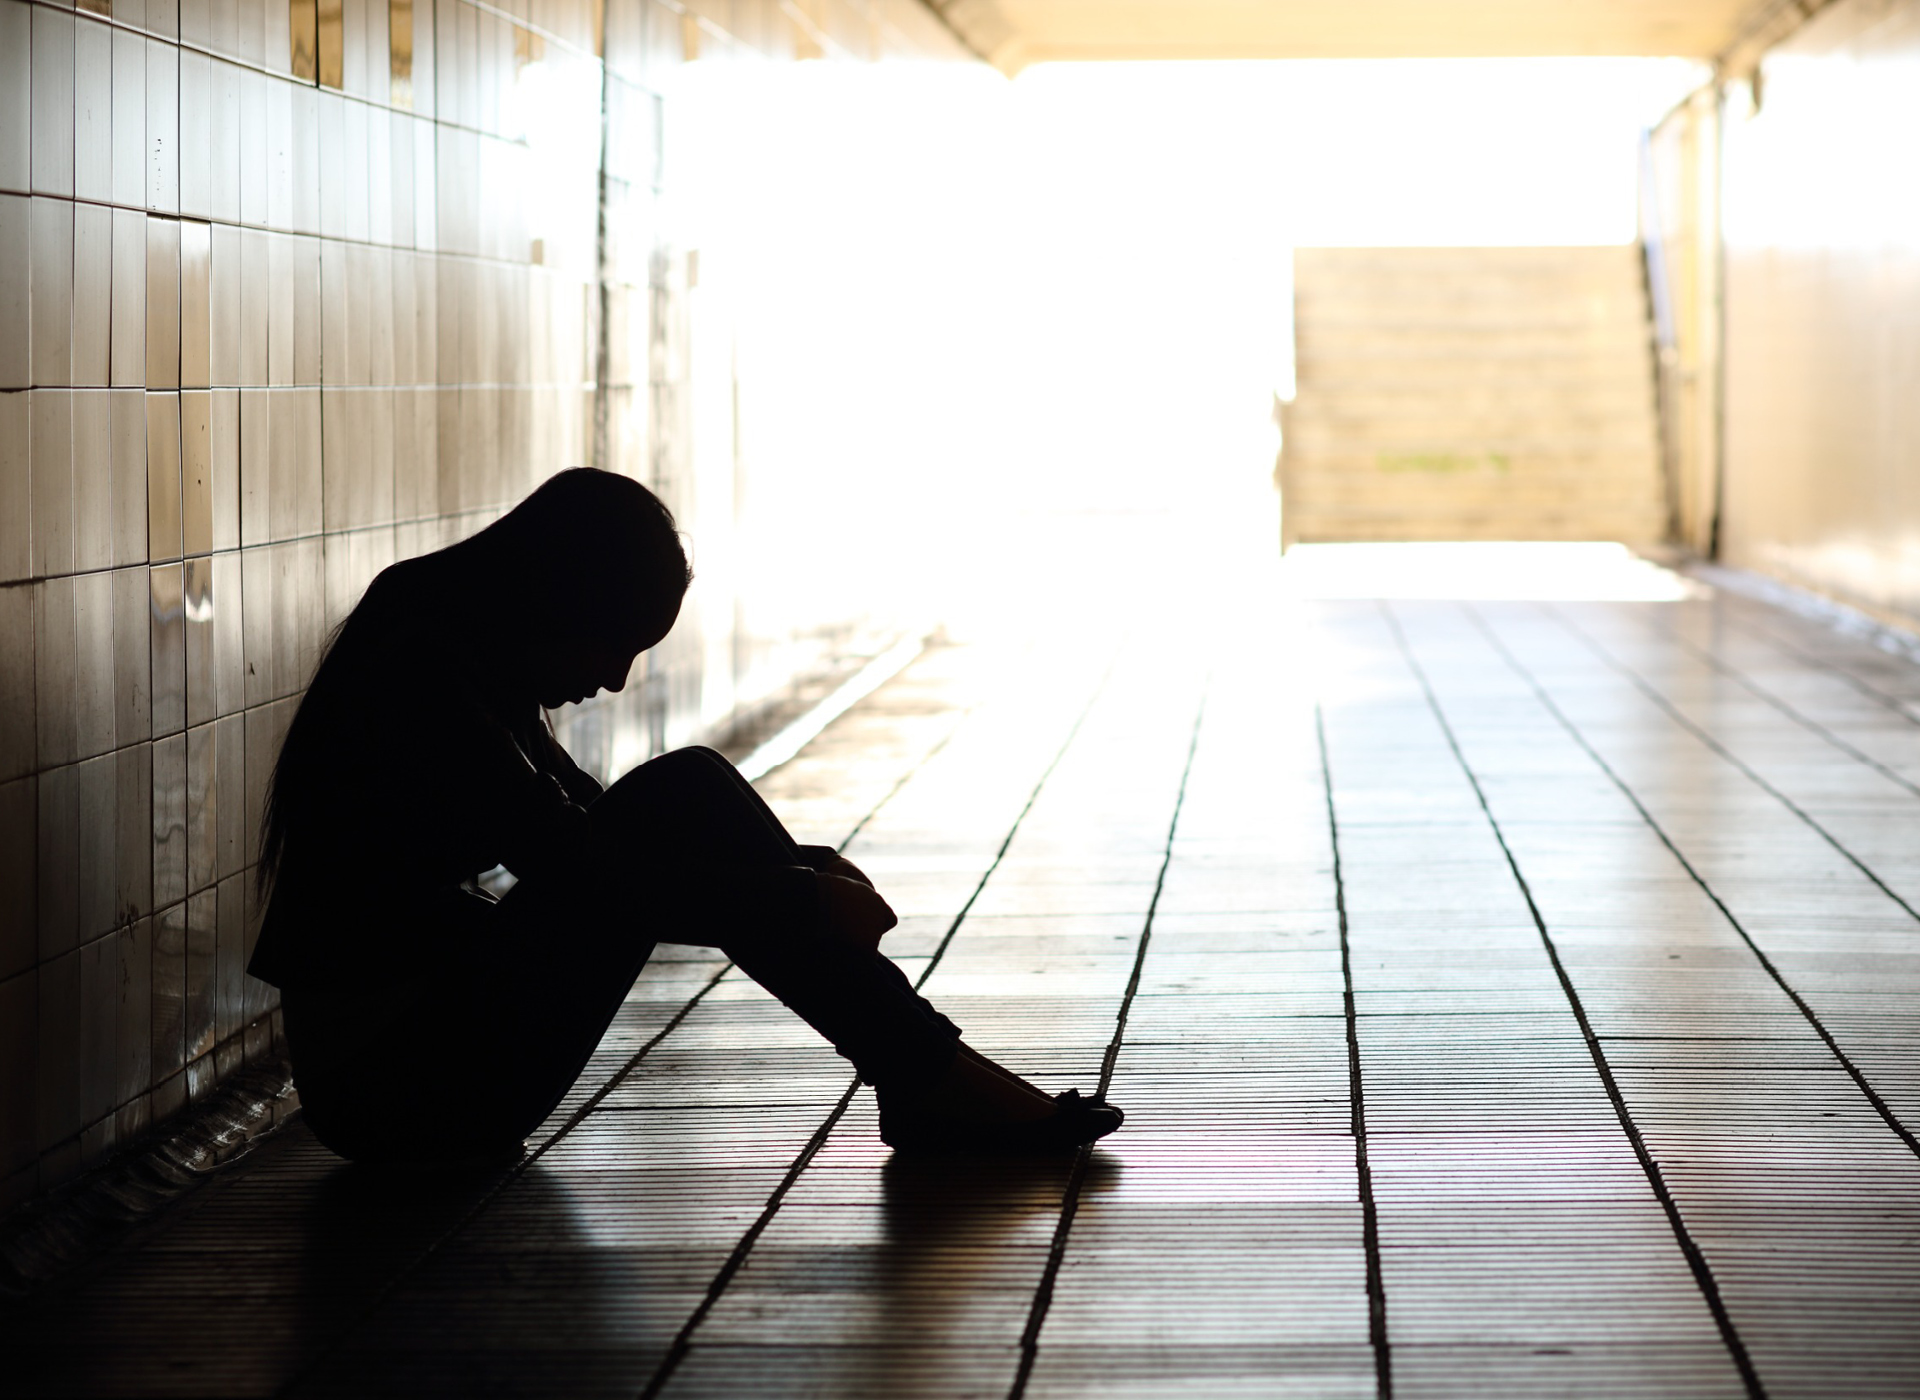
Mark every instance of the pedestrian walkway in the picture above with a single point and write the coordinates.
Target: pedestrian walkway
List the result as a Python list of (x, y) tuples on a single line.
[(1509, 999)]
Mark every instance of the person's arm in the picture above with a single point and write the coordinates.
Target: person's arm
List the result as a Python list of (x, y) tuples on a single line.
[(546, 834), (714, 904), (828, 861), (525, 817)]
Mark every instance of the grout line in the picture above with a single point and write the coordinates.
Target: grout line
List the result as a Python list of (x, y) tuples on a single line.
[(737, 1258), (907, 777), (1808, 604), (1811, 725), (1873, 1097), (938, 9), (1377, 1334), (804, 728), (1766, 637), (1674, 713), (999, 855), (1076, 1179), (1696, 1260)]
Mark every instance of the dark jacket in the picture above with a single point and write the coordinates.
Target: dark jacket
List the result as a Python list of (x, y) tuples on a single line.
[(405, 776)]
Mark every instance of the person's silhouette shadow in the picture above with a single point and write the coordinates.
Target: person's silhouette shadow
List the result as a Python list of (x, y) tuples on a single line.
[(403, 1294), (967, 1241)]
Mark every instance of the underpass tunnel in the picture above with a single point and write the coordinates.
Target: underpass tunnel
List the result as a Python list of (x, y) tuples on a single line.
[(934, 322)]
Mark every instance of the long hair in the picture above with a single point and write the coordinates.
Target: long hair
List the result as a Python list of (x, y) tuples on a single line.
[(581, 556)]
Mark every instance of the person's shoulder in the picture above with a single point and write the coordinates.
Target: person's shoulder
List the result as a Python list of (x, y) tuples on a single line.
[(400, 607), (404, 581)]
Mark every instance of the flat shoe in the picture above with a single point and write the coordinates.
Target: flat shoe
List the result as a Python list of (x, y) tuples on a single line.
[(1076, 1121)]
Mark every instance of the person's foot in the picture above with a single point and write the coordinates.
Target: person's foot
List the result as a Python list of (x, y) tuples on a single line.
[(981, 1106), (976, 1090)]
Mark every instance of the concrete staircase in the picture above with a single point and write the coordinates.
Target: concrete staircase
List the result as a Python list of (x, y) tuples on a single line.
[(1471, 394)]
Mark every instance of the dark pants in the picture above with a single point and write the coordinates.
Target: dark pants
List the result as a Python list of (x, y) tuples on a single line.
[(471, 1054)]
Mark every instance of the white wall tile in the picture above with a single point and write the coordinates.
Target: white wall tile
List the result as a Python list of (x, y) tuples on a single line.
[(196, 471), (276, 47), (16, 281), (256, 465), (256, 148), (330, 119), (167, 608), (356, 173), (52, 291), (129, 119), (128, 366), (196, 134), (379, 167), (163, 128), (224, 140), (98, 782), (53, 672), (278, 100), (53, 35), (196, 304), (282, 249), (16, 96), (229, 664), (163, 303), (93, 666), (133, 681), (256, 270), (304, 171), (225, 303), (51, 425), (92, 480), (163, 477), (92, 294), (305, 309), (93, 111), (128, 411), (16, 492), (224, 488)]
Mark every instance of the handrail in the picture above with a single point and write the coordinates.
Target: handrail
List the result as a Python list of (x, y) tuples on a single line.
[(1653, 244), (1665, 339)]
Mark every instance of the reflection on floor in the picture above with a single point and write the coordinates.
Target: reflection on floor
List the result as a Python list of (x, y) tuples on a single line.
[(1509, 999)]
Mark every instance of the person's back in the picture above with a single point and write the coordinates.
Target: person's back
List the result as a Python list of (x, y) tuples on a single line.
[(383, 825)]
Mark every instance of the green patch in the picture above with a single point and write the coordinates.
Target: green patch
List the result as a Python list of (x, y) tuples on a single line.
[(1442, 462)]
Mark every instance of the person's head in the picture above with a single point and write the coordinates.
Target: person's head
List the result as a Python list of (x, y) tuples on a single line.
[(588, 572)]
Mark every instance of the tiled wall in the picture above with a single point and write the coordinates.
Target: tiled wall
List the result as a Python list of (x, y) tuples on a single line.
[(1822, 435), (289, 291)]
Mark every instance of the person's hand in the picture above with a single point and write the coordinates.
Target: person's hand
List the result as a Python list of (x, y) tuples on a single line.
[(853, 910), (846, 870)]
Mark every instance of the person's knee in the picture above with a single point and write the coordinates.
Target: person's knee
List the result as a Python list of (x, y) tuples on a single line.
[(694, 767), (695, 758), (672, 772)]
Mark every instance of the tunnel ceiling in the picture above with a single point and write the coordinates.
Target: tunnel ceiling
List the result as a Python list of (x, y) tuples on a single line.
[(1014, 33)]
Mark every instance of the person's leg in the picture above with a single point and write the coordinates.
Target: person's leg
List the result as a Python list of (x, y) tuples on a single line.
[(694, 804), (692, 801), (468, 1053), (929, 1081), (857, 999)]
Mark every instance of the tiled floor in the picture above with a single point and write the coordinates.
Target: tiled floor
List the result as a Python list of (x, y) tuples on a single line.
[(1509, 999)]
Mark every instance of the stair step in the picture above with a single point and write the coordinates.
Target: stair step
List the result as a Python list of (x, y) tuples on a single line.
[(1471, 393)]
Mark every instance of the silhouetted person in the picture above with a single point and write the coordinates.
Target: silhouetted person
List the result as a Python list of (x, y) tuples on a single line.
[(429, 1020)]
